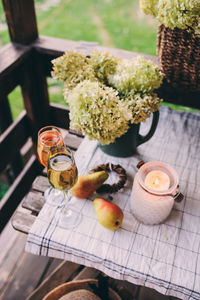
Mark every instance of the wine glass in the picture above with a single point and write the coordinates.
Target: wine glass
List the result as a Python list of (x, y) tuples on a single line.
[(48, 137), (63, 174)]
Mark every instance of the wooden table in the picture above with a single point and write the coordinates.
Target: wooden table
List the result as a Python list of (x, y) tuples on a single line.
[(175, 129), (61, 272)]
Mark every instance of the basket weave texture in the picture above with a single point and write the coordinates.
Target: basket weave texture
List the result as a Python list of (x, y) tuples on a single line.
[(78, 285), (179, 56)]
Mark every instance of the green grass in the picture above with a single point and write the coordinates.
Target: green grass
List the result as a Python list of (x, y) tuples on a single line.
[(3, 189), (16, 102), (127, 26), (70, 20), (111, 23), (180, 107)]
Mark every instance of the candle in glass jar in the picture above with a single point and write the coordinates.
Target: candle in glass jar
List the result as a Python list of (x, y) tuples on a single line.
[(157, 180)]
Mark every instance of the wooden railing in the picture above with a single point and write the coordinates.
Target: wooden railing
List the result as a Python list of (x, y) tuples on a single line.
[(26, 62)]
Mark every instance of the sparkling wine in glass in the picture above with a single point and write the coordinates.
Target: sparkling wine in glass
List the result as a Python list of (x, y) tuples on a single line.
[(48, 137), (63, 174)]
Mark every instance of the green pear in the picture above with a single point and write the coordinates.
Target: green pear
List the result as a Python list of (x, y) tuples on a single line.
[(87, 184), (108, 214)]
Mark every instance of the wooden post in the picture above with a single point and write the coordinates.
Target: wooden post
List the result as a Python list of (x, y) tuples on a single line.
[(35, 94), (5, 115), (21, 20)]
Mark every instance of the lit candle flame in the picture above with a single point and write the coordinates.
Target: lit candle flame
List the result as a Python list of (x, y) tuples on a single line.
[(157, 180)]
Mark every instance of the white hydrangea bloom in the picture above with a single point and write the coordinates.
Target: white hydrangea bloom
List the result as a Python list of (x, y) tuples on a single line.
[(183, 14), (106, 93), (141, 106), (98, 112), (148, 7), (178, 13), (137, 74)]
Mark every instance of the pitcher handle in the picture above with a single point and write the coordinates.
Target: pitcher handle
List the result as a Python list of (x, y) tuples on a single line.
[(144, 138)]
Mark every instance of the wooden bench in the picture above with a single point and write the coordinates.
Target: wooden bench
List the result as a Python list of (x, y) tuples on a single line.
[(26, 62)]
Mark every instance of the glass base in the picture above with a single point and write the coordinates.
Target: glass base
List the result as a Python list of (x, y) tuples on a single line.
[(54, 197), (69, 218)]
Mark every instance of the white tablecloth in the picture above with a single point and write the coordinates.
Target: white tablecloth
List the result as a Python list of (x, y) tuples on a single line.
[(165, 257)]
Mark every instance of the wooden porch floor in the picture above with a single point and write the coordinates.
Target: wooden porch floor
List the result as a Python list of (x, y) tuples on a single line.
[(26, 276)]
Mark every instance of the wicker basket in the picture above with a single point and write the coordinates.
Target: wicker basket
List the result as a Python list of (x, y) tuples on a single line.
[(68, 287), (179, 57)]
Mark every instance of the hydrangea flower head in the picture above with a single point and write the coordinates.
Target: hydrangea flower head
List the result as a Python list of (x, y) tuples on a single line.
[(105, 93), (72, 68), (184, 14), (136, 75), (98, 112), (104, 64)]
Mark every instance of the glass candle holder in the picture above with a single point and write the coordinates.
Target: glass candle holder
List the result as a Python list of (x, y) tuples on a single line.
[(155, 188)]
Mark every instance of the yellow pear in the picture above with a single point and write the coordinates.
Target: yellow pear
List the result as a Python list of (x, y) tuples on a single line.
[(109, 214), (87, 184)]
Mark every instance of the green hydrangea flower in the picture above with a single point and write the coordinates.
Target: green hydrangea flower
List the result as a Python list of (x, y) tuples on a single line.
[(141, 106), (72, 68), (106, 94), (136, 75), (103, 64), (184, 14), (148, 7), (98, 112)]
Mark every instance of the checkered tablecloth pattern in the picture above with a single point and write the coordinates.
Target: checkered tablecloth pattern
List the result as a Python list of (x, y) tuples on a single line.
[(165, 257)]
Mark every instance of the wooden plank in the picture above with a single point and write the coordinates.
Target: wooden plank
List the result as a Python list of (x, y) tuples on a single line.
[(40, 184), (59, 115), (21, 20), (73, 141), (12, 139), (87, 273), (56, 47), (125, 289), (150, 294), (60, 275), (35, 94), (50, 48), (11, 256), (11, 56), (33, 201), (54, 263), (10, 81), (25, 277), (5, 114), (22, 221), (18, 190)]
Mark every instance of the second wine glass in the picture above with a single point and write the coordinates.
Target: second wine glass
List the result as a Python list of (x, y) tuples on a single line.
[(48, 137), (63, 174)]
